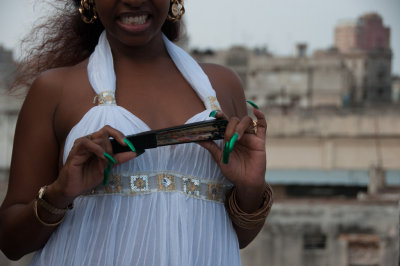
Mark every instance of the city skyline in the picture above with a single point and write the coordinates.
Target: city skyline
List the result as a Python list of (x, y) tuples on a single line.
[(279, 26)]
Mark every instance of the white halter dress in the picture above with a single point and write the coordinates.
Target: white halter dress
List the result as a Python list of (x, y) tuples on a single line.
[(162, 208)]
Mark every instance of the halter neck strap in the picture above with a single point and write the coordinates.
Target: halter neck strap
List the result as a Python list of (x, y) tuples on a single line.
[(102, 75)]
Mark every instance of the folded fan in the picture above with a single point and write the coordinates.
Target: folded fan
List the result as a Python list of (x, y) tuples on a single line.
[(193, 132)]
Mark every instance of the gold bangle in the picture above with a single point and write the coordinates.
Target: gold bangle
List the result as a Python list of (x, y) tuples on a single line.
[(48, 206), (35, 209), (249, 220)]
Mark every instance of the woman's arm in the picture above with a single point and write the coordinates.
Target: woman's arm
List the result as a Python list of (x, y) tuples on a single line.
[(247, 163), (35, 162)]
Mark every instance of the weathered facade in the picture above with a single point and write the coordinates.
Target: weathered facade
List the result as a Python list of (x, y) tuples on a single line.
[(336, 174), (396, 90), (356, 71), (365, 45), (333, 149), (330, 233), (367, 33), (9, 108)]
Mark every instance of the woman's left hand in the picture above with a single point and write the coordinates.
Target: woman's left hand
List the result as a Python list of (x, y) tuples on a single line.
[(247, 161)]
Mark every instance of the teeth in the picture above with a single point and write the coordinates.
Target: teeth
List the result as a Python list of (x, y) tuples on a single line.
[(134, 20)]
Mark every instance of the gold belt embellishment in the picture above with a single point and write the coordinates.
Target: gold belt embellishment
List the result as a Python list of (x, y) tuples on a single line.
[(145, 183)]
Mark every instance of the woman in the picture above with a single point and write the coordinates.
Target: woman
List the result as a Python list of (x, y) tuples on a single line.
[(162, 208)]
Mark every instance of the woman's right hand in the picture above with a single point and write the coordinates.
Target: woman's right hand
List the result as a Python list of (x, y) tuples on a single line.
[(84, 168)]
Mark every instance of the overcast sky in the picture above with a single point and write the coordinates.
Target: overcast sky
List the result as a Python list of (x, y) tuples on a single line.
[(276, 24)]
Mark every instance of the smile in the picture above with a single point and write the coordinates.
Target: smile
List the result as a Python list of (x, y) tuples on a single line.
[(134, 20)]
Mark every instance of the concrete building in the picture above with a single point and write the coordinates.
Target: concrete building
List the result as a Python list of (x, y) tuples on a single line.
[(298, 81), (7, 67), (336, 179), (396, 90), (330, 233), (9, 108), (365, 46), (371, 76), (366, 33), (292, 81), (333, 149), (356, 71)]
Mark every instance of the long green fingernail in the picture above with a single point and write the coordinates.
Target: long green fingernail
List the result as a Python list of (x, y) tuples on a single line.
[(130, 145), (253, 104), (110, 158), (107, 171), (233, 141), (225, 154), (213, 113)]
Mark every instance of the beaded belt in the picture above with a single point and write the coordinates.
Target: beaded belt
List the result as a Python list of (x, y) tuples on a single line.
[(145, 183)]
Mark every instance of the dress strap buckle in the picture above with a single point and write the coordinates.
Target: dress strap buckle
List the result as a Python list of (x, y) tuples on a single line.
[(212, 103), (105, 98)]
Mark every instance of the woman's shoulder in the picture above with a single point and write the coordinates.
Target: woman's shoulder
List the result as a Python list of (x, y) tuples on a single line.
[(55, 79), (228, 87), (53, 85)]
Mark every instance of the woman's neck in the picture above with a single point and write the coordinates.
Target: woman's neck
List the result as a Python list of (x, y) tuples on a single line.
[(138, 54)]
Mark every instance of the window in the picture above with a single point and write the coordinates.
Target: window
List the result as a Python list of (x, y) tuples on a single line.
[(313, 241)]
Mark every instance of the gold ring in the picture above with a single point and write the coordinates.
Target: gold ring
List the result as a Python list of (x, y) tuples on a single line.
[(252, 128), (89, 136)]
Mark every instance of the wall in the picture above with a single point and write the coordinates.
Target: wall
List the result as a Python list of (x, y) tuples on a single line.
[(329, 138), (325, 235)]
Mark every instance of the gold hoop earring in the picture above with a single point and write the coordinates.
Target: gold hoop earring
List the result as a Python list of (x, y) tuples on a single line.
[(176, 10), (88, 11)]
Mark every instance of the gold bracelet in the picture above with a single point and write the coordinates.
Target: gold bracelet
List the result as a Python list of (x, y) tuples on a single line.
[(35, 209), (48, 206), (249, 220)]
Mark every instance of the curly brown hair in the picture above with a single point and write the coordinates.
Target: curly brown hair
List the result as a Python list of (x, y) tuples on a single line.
[(64, 40)]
